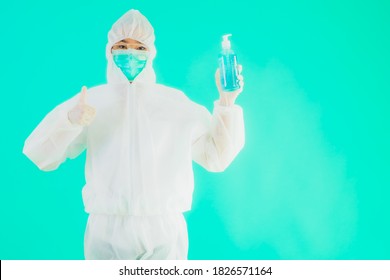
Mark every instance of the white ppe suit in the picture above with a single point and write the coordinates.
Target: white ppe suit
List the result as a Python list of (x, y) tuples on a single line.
[(140, 147)]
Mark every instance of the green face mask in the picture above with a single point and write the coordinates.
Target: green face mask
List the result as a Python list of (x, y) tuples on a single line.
[(130, 61)]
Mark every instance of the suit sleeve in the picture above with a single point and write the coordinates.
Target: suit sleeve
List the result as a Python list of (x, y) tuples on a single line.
[(55, 139), (219, 137)]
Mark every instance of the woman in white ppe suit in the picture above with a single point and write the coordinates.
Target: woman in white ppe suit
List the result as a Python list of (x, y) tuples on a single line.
[(141, 138)]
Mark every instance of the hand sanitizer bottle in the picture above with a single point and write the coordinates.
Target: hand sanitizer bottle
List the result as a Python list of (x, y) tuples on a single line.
[(228, 66)]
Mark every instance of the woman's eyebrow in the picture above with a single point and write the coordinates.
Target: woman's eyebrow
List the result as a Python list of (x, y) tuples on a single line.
[(133, 43)]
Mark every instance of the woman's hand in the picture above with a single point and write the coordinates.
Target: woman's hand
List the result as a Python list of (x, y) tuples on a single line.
[(82, 113), (227, 98)]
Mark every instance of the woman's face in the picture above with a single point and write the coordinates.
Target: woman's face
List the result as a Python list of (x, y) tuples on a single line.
[(129, 43)]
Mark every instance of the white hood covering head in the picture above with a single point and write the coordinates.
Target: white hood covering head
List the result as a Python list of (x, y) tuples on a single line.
[(135, 26)]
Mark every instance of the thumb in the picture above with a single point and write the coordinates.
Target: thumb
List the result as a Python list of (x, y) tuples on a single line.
[(83, 95), (218, 79)]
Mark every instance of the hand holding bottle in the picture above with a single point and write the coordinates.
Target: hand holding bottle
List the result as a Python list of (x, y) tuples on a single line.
[(227, 98), (228, 77), (82, 114)]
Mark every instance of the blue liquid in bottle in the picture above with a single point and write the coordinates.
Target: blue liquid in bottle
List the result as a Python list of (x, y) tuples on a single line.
[(228, 66)]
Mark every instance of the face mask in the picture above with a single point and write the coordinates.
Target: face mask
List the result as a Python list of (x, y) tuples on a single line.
[(130, 61)]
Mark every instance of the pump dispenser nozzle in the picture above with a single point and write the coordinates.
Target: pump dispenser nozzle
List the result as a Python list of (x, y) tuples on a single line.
[(226, 43)]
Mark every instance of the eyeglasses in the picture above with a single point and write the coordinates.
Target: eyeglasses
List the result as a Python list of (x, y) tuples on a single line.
[(124, 46)]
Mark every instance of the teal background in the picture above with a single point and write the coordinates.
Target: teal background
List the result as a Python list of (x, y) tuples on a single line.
[(313, 179)]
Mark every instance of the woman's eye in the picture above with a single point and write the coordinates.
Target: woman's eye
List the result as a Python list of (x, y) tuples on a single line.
[(122, 47), (141, 48)]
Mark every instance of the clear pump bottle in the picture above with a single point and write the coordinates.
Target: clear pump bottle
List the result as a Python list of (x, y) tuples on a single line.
[(228, 66)]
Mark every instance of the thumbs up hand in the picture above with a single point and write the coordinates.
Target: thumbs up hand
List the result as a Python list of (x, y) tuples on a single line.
[(82, 113)]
